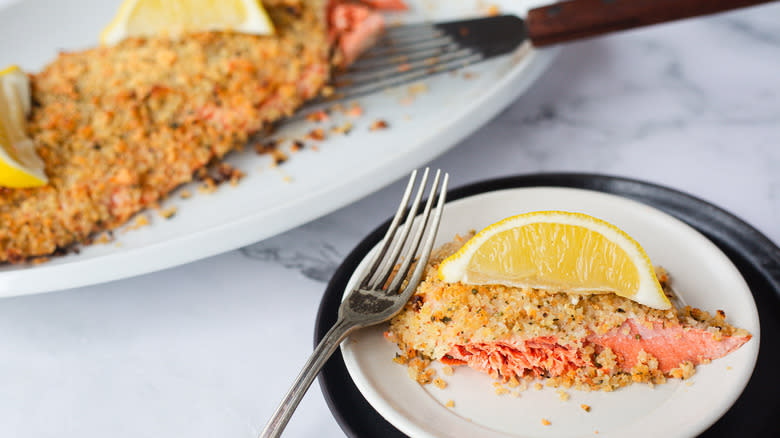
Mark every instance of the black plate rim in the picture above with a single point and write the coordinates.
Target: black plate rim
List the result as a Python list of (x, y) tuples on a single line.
[(760, 251)]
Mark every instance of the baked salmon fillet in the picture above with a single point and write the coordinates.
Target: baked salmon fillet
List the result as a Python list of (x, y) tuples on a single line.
[(120, 127), (587, 341)]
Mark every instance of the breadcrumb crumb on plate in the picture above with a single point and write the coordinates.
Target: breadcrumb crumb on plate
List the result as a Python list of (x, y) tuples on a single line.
[(702, 276)]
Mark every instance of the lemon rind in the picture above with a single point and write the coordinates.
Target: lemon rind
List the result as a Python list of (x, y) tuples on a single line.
[(649, 293)]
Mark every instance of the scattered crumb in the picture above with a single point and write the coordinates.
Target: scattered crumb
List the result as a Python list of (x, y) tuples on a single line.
[(418, 370), (523, 385), (297, 146), (104, 238), (355, 110), (118, 244), (236, 177), (469, 75), (417, 88), (515, 394), (266, 146), (38, 260), (585, 407), (689, 383), (278, 157), (500, 390), (207, 187), (684, 371), (287, 178), (447, 370), (439, 383), (185, 194), (728, 367), (318, 116), (168, 212), (140, 221), (316, 134), (493, 10), (450, 404), (343, 129), (563, 395), (216, 174), (378, 124), (538, 386), (401, 360), (546, 422)]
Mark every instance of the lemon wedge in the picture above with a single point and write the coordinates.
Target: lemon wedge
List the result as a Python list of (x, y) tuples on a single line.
[(176, 17), (20, 166), (557, 251)]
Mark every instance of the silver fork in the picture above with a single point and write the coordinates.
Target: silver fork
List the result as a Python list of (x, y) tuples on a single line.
[(374, 300)]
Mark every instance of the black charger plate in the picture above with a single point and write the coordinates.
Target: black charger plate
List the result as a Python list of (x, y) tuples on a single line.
[(757, 410)]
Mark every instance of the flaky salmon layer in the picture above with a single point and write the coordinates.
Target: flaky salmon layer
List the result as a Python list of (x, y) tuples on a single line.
[(599, 341)]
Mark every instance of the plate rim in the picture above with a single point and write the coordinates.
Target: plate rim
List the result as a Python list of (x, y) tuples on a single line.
[(769, 268), (276, 219)]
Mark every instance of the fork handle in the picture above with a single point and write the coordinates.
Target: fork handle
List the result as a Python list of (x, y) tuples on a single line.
[(321, 354), (578, 19)]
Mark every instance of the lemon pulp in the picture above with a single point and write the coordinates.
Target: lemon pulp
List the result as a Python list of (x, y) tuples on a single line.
[(175, 17), (557, 251), (20, 166)]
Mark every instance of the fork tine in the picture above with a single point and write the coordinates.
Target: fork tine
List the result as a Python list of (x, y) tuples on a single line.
[(388, 263), (352, 91), (406, 38), (419, 270), (390, 231), (408, 257), (408, 45), (372, 76), (363, 65), (406, 29)]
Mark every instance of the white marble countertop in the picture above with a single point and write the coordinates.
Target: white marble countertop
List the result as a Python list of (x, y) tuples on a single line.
[(208, 349)]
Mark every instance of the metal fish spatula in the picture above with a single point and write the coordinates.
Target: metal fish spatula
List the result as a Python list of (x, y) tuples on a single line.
[(409, 53)]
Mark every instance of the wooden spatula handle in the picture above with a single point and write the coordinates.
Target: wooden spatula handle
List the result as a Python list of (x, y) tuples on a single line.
[(577, 19)]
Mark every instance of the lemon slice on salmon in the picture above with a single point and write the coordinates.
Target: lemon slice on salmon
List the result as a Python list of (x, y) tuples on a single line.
[(557, 251), (138, 18), (20, 166)]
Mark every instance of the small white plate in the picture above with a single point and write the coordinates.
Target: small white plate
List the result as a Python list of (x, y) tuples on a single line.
[(701, 274), (270, 200)]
